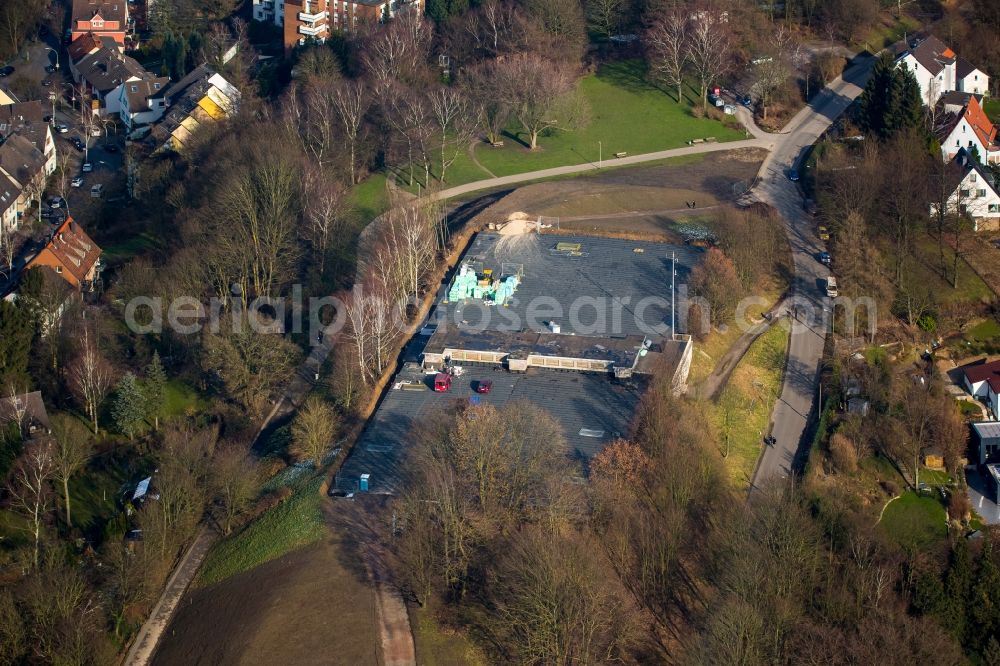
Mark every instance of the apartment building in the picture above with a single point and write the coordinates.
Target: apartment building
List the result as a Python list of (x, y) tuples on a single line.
[(302, 20)]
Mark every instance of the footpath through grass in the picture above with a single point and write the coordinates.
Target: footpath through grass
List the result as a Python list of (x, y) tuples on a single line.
[(288, 526), (743, 413)]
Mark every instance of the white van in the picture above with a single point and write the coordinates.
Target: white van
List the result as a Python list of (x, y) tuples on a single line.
[(831, 287)]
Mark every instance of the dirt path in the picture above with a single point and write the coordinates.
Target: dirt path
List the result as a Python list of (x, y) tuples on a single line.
[(475, 160), (711, 387), (361, 520), (637, 213)]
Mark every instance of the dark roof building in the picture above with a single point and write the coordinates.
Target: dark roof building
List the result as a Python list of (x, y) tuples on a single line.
[(27, 411), (107, 68)]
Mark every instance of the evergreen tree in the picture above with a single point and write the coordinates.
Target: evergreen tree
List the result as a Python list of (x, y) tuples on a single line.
[(16, 334), (442, 10), (984, 604), (129, 408), (891, 101), (153, 388), (874, 98), (958, 588)]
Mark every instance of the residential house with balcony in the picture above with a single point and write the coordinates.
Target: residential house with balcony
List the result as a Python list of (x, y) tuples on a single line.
[(143, 102), (303, 20), (101, 18), (103, 74)]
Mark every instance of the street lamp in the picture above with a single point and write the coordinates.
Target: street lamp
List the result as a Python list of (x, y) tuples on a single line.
[(49, 48)]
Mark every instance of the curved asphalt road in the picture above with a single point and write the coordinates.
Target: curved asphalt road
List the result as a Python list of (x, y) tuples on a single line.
[(791, 410)]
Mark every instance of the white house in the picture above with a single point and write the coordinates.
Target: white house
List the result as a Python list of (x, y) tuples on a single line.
[(103, 73), (939, 70), (970, 79), (977, 195), (143, 102), (983, 381), (967, 126)]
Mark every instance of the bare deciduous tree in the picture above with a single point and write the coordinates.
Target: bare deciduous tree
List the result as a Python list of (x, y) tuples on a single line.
[(90, 377), (313, 431), (326, 206), (539, 93), (708, 51), (374, 322), (482, 81), (71, 451), (454, 118), (29, 489), (666, 43), (235, 478), (605, 16), (351, 101)]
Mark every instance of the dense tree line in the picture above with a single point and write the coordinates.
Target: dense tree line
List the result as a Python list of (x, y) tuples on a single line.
[(653, 560)]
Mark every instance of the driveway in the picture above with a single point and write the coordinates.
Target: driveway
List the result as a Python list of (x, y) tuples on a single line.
[(792, 410), (981, 496)]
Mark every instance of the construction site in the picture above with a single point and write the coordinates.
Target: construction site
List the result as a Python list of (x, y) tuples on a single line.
[(572, 324)]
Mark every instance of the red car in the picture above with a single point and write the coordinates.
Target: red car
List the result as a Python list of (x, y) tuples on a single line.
[(442, 382), (484, 386)]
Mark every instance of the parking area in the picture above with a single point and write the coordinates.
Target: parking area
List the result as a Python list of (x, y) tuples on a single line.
[(982, 496)]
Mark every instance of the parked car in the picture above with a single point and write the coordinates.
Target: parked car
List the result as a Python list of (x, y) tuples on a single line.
[(50, 69), (809, 206), (823, 233), (87, 167), (47, 214), (442, 382), (831, 287), (77, 181), (747, 101), (484, 386), (46, 82), (824, 258), (62, 128), (56, 202), (96, 191), (793, 175), (6, 71)]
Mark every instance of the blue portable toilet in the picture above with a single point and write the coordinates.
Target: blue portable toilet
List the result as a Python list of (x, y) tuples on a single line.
[(364, 482), (474, 400)]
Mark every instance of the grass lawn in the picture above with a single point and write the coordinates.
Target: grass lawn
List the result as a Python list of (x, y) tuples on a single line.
[(284, 528), (890, 30), (915, 520), (923, 265), (743, 412), (95, 493), (934, 477), (627, 114), (131, 247), (437, 645), (369, 198), (984, 331), (179, 399), (992, 108)]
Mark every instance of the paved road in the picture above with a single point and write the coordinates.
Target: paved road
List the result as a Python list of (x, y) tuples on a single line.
[(144, 646), (791, 411)]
